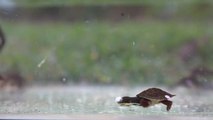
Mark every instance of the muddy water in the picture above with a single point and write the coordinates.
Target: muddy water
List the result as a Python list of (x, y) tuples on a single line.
[(89, 102)]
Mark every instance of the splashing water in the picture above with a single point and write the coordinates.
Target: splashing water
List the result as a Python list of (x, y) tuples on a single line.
[(99, 101)]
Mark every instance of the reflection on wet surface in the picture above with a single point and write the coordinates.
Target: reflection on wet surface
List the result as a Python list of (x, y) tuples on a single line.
[(99, 101)]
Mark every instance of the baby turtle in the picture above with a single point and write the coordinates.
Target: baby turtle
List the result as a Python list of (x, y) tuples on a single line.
[(148, 98)]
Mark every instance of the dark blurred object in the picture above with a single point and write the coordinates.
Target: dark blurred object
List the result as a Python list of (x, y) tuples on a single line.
[(192, 49), (76, 13), (195, 51), (188, 50), (11, 81), (2, 39), (193, 80)]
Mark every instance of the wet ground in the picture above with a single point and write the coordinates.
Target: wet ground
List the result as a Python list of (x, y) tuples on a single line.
[(89, 102)]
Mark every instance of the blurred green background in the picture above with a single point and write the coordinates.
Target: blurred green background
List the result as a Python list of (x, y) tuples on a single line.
[(106, 41)]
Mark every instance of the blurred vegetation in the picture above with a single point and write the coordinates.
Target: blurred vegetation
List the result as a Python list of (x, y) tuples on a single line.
[(129, 51), (107, 2), (102, 52), (185, 9)]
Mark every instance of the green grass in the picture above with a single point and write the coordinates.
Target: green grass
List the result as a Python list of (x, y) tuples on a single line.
[(125, 52)]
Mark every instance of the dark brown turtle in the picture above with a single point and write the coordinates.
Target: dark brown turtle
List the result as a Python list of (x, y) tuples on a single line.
[(148, 98)]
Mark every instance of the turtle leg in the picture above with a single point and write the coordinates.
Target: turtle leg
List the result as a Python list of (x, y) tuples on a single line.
[(167, 103), (145, 102)]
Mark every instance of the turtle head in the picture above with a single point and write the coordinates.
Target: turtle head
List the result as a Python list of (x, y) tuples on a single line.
[(124, 99), (118, 99)]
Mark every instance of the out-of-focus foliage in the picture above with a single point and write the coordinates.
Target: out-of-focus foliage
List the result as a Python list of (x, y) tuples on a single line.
[(103, 52), (106, 41), (193, 9), (108, 2)]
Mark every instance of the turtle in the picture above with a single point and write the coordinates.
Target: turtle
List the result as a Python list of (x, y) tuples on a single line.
[(148, 98)]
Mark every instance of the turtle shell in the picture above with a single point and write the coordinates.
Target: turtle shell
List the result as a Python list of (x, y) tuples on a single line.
[(155, 94)]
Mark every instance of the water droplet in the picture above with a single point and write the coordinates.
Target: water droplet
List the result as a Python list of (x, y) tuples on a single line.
[(41, 63), (64, 79), (87, 21), (133, 43)]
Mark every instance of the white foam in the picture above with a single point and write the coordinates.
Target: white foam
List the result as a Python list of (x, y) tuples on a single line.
[(118, 99), (168, 97)]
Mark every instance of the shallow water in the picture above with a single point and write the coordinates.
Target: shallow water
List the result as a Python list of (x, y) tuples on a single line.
[(87, 102)]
